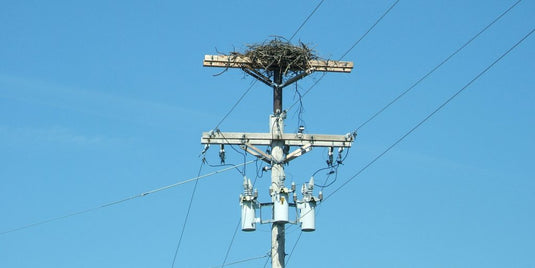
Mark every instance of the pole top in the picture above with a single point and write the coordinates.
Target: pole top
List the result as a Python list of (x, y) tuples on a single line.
[(225, 61), (277, 63)]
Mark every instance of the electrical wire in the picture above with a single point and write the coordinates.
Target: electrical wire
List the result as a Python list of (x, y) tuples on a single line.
[(430, 115), (267, 260), (259, 170), (301, 110), (351, 48), (239, 220), (187, 214), (410, 88), (422, 121), (300, 96), (254, 82), (121, 200), (428, 73), (306, 20), (369, 30), (293, 248), (437, 66), (231, 242), (426, 118), (333, 169), (221, 165), (245, 260), (235, 105)]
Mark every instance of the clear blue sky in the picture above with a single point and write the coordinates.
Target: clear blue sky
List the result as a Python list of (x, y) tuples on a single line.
[(102, 100)]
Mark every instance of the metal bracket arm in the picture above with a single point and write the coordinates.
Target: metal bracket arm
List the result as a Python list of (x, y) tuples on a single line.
[(297, 78), (299, 152), (257, 152), (254, 73)]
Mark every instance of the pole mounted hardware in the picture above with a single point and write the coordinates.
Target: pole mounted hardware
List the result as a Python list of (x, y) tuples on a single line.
[(273, 65)]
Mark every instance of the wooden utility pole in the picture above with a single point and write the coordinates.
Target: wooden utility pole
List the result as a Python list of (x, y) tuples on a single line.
[(278, 236), (277, 140)]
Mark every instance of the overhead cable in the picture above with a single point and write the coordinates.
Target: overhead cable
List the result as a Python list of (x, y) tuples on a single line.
[(122, 200), (235, 104), (369, 30), (187, 214), (245, 260), (306, 20), (231, 242), (429, 116), (351, 48), (437, 66), (293, 248), (420, 123)]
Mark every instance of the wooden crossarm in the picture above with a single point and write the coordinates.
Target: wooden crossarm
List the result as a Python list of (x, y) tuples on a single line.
[(225, 61), (290, 139)]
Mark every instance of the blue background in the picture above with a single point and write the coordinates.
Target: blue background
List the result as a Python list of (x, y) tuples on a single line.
[(102, 100)]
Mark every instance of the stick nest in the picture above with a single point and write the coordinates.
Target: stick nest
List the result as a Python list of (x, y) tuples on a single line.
[(276, 54)]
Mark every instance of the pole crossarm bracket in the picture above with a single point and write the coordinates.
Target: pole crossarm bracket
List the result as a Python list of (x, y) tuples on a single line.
[(290, 139), (257, 152), (297, 78), (299, 152), (256, 74), (225, 61)]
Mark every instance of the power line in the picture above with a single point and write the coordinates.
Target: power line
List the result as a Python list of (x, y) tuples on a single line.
[(289, 40), (419, 124), (305, 21), (351, 48), (235, 104), (429, 116), (187, 214), (267, 260), (437, 66), (231, 242), (293, 248), (122, 200), (369, 30), (202, 163), (246, 260), (237, 225)]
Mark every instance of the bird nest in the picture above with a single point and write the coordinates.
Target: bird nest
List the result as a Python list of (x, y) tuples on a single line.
[(278, 55)]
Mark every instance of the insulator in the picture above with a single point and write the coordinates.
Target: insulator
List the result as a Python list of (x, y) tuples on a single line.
[(339, 159), (222, 153), (206, 147), (286, 149), (330, 160)]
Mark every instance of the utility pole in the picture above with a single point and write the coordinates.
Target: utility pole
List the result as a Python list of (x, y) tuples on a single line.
[(278, 236), (280, 143)]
